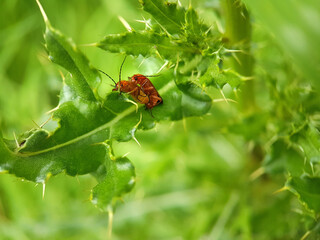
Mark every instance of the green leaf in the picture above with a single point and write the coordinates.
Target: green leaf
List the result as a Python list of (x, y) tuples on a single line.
[(168, 15), (144, 43), (62, 51), (139, 43), (307, 190), (120, 179), (282, 159)]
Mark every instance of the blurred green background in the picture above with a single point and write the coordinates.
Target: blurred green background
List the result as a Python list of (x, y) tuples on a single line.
[(193, 176)]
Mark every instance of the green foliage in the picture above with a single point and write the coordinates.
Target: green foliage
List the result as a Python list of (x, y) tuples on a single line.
[(135, 43), (263, 62), (284, 25), (120, 179), (179, 36)]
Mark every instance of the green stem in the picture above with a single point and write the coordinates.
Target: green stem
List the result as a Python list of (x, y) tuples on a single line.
[(238, 34)]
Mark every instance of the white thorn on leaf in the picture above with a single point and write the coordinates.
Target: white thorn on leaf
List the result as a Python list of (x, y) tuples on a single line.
[(125, 24), (217, 52), (184, 123), (15, 139), (223, 100), (126, 154), (136, 140), (52, 110), (45, 122), (243, 15), (176, 67), (256, 174), (158, 54), (44, 15), (62, 76), (209, 29), (220, 27), (77, 179), (35, 124), (88, 45), (285, 188), (110, 216), (235, 91), (134, 130), (224, 97), (163, 66), (146, 22), (312, 168), (43, 189), (236, 58), (246, 78)]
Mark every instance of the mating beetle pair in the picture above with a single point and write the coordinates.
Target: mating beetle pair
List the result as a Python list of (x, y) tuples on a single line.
[(139, 87)]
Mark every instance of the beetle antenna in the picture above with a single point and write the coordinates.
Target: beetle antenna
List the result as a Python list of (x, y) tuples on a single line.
[(157, 75), (121, 68), (108, 76)]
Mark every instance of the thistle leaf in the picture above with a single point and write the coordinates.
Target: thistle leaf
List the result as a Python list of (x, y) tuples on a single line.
[(143, 43), (62, 51), (120, 179), (87, 125), (192, 23), (308, 139)]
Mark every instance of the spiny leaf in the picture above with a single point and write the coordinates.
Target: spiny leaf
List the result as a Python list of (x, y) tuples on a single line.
[(143, 43), (307, 190), (168, 15), (308, 139), (136, 43), (192, 23), (120, 179), (64, 52), (81, 143)]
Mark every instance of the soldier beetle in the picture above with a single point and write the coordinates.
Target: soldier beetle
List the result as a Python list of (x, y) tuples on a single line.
[(139, 87)]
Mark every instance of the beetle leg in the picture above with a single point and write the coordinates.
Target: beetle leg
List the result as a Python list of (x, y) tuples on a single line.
[(156, 97)]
